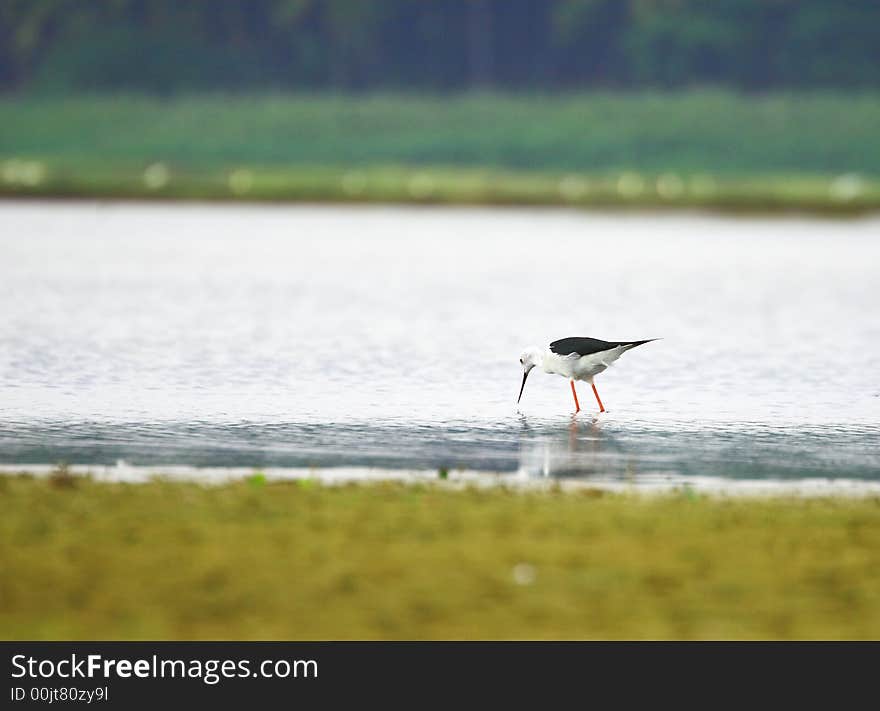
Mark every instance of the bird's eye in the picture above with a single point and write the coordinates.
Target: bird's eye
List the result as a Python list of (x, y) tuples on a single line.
[(520, 361)]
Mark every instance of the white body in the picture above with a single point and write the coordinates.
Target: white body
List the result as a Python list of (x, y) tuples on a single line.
[(578, 367)]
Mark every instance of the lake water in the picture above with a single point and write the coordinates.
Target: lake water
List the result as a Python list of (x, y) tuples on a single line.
[(389, 337)]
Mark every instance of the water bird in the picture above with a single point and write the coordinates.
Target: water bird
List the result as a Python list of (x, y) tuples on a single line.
[(576, 358)]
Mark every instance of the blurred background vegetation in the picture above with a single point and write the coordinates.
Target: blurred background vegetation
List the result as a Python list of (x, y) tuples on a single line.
[(733, 103), (168, 46)]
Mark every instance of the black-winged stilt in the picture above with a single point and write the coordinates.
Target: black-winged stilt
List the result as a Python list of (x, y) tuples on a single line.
[(576, 359)]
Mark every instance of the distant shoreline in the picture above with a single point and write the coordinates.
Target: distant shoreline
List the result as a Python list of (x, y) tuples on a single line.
[(815, 152), (445, 187)]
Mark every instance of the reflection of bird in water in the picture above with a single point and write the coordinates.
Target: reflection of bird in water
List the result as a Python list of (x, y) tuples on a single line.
[(582, 450), (576, 359)]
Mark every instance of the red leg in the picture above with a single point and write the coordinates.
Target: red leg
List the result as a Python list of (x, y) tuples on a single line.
[(598, 399), (577, 405)]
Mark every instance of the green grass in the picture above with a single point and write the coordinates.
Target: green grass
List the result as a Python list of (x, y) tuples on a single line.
[(693, 132), (258, 560), (704, 149)]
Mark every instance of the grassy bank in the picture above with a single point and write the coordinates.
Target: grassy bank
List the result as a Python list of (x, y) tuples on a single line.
[(256, 560), (704, 149)]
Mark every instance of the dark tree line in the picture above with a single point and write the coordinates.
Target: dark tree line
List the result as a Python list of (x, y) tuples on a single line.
[(171, 45)]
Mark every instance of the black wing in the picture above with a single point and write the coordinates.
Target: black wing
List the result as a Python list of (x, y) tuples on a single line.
[(587, 346)]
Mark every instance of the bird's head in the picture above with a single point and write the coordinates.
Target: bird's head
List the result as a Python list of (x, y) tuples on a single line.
[(528, 360)]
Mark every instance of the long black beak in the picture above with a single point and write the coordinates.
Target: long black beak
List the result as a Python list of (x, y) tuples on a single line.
[(525, 375)]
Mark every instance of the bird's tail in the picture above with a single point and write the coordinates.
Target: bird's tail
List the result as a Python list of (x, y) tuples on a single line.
[(633, 344)]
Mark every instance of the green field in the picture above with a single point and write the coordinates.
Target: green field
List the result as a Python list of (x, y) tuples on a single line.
[(810, 151), (255, 560)]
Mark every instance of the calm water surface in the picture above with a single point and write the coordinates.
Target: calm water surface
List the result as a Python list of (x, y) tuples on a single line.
[(388, 336)]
